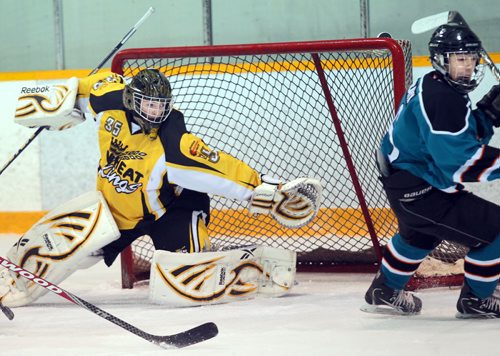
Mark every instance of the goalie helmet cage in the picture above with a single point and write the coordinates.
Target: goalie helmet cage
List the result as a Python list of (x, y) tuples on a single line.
[(316, 109)]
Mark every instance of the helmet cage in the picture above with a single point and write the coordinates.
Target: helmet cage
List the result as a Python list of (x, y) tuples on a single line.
[(456, 39), (441, 62), (151, 109)]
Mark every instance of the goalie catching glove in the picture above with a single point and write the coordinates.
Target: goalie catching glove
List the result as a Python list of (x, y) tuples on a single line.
[(49, 106), (293, 204)]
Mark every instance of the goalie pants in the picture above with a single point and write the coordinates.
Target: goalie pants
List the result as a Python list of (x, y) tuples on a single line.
[(427, 216), (183, 227)]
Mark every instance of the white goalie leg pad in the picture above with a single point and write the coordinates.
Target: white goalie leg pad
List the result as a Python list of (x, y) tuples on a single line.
[(190, 279), (63, 241)]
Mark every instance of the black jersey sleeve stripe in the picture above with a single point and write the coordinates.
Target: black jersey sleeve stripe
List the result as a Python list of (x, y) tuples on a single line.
[(171, 133), (175, 156), (481, 165), (112, 100)]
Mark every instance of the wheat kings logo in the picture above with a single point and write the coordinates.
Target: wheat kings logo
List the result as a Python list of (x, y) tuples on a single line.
[(124, 179), (121, 185)]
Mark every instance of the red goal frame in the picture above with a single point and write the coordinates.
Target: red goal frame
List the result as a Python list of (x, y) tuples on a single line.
[(401, 80)]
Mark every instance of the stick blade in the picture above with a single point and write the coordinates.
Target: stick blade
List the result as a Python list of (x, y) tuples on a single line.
[(455, 17), (189, 337), (7, 311), (430, 22)]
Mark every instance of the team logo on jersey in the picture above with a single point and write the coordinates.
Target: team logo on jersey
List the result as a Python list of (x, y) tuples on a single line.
[(116, 149), (123, 178), (118, 152), (199, 149), (122, 185)]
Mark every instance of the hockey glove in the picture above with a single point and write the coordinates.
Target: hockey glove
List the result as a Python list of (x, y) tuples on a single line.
[(490, 105), (293, 204), (50, 106)]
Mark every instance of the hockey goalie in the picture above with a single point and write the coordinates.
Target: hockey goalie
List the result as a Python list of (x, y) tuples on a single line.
[(154, 178)]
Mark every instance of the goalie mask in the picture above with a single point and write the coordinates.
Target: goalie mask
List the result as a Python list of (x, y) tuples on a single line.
[(149, 95), (455, 52)]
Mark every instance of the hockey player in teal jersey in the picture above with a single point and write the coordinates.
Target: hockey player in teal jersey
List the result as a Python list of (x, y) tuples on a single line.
[(436, 142)]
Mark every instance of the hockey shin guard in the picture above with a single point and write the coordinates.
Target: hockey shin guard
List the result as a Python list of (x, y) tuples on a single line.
[(482, 268), (400, 261)]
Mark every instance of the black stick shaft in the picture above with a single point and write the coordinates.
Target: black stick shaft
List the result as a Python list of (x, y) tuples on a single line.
[(192, 336), (95, 70), (31, 139)]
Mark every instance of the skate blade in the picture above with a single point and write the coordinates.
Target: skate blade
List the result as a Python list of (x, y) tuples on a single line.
[(383, 309), (475, 316)]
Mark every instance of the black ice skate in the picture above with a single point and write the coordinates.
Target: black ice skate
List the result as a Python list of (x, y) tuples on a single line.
[(385, 300), (470, 306)]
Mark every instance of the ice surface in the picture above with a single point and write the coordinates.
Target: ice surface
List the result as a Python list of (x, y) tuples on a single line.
[(319, 317)]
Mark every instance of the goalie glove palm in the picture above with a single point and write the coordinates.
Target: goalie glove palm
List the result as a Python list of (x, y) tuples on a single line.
[(293, 205)]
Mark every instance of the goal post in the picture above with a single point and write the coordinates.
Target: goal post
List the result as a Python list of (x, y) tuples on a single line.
[(292, 109)]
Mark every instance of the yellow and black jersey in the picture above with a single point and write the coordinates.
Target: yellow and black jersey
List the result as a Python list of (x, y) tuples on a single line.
[(140, 177)]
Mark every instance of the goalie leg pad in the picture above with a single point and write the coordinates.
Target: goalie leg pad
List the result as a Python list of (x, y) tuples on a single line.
[(181, 279), (61, 242)]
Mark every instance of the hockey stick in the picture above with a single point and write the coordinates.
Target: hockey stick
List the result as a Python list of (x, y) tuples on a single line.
[(7, 311), (20, 150), (430, 22), (189, 337), (124, 39), (95, 70)]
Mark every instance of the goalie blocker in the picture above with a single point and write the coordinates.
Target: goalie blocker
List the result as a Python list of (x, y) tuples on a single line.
[(49, 105), (182, 279)]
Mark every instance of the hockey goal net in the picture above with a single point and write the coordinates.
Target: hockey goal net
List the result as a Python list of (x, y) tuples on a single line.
[(315, 109)]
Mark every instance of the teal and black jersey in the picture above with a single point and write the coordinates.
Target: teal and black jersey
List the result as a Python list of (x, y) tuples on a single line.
[(438, 137)]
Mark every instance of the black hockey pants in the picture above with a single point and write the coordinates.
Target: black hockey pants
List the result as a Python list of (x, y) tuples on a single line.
[(427, 215), (174, 231)]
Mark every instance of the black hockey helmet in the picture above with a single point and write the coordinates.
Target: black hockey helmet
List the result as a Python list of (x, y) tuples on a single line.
[(149, 95), (458, 39)]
